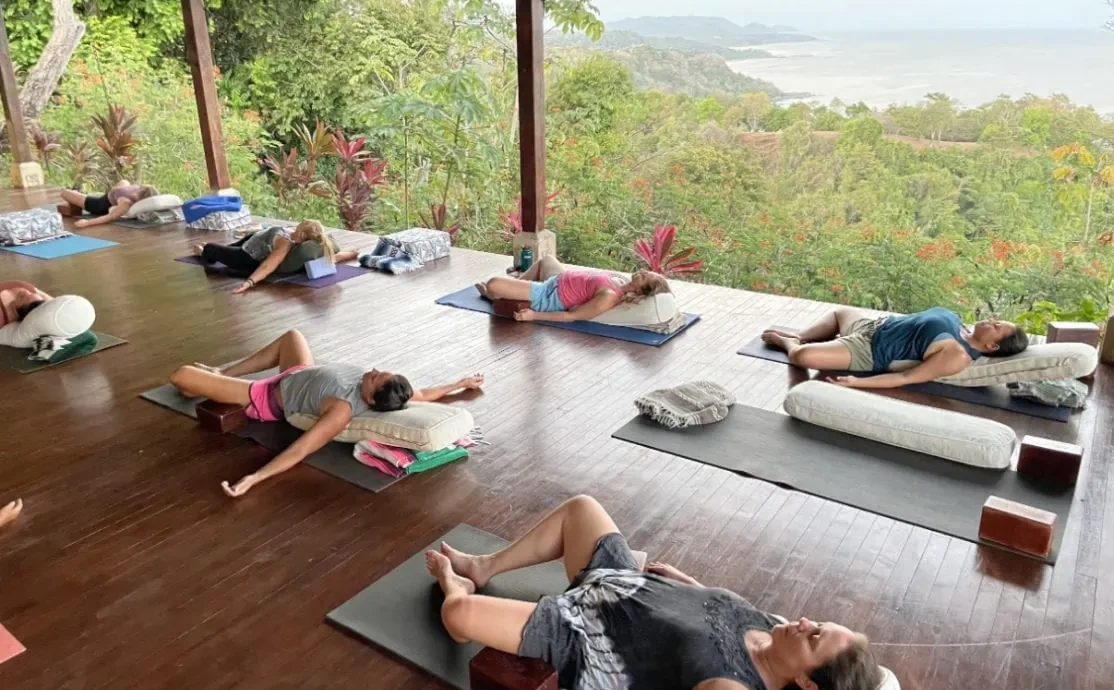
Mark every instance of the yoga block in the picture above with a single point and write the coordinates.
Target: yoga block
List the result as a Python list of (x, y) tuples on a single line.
[(1073, 332), (221, 417), (70, 211), (508, 307), (495, 670), (1017, 526), (1049, 460), (319, 268)]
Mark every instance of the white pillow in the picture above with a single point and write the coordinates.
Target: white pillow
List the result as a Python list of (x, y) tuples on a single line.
[(64, 316), (418, 426), (1043, 362), (656, 309), (160, 202), (945, 434)]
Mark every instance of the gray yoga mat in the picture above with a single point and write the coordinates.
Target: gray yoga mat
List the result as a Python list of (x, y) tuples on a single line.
[(912, 487), (136, 224), (997, 397), (335, 459), (15, 358), (401, 612)]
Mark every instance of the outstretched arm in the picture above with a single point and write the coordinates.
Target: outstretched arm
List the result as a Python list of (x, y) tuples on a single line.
[(435, 393), (336, 416), (604, 301), (346, 255), (115, 213), (270, 265), (946, 362)]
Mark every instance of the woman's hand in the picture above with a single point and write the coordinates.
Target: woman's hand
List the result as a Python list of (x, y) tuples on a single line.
[(525, 315), (845, 381), (244, 286), (473, 382), (666, 570), (83, 223), (239, 488)]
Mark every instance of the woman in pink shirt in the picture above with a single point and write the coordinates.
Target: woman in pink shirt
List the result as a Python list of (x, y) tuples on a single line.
[(17, 299), (108, 207), (559, 293)]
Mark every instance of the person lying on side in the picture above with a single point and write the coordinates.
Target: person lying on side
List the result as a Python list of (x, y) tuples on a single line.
[(334, 393), (261, 253), (557, 293), (108, 207), (618, 628), (18, 299), (848, 340)]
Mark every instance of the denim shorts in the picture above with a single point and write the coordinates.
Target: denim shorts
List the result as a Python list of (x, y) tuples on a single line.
[(543, 296)]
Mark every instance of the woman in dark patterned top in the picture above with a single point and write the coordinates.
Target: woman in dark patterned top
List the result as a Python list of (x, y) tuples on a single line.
[(618, 628)]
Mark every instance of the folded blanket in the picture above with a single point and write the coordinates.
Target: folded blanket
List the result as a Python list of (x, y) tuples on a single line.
[(196, 209), (676, 323), (690, 404), (1061, 393), (428, 460), (49, 348), (390, 258)]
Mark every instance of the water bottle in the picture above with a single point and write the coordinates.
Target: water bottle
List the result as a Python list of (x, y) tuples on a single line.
[(525, 259)]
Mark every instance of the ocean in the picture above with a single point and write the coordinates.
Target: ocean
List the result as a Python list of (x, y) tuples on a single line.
[(974, 67)]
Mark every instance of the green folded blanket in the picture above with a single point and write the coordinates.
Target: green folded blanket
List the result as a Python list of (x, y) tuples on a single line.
[(432, 459)]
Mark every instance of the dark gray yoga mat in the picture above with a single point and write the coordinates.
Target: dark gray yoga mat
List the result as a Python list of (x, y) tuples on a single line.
[(997, 397), (15, 358), (335, 459), (401, 612), (937, 494), (137, 224)]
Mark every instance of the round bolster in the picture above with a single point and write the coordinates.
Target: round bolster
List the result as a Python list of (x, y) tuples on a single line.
[(942, 433), (64, 316)]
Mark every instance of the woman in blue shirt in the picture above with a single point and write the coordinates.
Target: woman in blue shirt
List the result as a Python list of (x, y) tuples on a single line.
[(849, 340)]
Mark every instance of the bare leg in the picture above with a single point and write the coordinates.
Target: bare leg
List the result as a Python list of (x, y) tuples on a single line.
[(195, 382), (469, 617), (570, 532), (508, 288), (73, 198), (828, 356), (11, 511), (544, 269), (289, 350)]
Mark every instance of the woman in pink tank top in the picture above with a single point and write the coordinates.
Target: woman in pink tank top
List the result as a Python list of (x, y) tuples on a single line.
[(107, 207), (559, 293)]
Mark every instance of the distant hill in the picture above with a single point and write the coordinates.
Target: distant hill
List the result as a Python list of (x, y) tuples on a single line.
[(714, 30), (615, 39)]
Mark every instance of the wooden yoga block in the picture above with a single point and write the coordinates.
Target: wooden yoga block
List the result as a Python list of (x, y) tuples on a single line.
[(495, 670), (507, 307), (69, 210), (1016, 526), (221, 417), (1073, 332), (1049, 460)]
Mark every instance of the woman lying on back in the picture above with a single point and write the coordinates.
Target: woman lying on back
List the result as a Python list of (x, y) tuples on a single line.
[(618, 628), (261, 253), (557, 293)]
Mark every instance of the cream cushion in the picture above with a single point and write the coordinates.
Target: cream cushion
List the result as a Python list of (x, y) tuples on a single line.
[(160, 202), (1043, 362), (942, 433), (63, 316), (418, 426), (656, 309)]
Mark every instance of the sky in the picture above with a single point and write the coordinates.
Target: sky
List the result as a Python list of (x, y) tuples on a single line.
[(819, 16)]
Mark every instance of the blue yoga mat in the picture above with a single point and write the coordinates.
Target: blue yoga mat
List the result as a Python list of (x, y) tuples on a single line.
[(65, 246), (469, 298)]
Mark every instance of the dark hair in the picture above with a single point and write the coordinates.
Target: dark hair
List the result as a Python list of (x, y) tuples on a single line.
[(22, 312), (1013, 344), (852, 669), (392, 395)]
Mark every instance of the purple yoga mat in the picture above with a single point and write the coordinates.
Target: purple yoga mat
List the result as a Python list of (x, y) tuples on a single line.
[(344, 272)]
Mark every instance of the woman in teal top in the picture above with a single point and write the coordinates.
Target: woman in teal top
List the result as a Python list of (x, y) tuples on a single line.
[(849, 340)]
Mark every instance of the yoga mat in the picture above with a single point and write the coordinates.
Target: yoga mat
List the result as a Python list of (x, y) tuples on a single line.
[(63, 246), (344, 272), (401, 612), (15, 358), (469, 298), (997, 397), (937, 494), (335, 458), (137, 224), (9, 646)]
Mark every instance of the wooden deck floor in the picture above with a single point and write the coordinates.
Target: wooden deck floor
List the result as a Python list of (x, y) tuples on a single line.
[(130, 568)]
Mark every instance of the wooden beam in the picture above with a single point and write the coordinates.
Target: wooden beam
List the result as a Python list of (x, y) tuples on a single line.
[(530, 17), (199, 55), (9, 94)]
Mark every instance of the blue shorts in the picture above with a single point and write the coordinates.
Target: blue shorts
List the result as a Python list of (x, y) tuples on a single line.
[(543, 296)]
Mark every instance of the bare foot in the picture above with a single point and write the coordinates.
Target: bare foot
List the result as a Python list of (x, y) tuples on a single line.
[(482, 288), (441, 569), (11, 511), (781, 342), (197, 249), (475, 568), (784, 332)]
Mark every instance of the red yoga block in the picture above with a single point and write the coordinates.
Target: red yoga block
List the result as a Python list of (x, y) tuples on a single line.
[(221, 417), (1073, 332), (508, 307), (69, 210), (1050, 460), (495, 670), (1017, 526)]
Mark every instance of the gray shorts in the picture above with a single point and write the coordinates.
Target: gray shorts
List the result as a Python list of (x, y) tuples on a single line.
[(859, 340)]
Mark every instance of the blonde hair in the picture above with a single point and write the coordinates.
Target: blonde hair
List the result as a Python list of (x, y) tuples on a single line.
[(313, 230), (654, 284), (146, 192)]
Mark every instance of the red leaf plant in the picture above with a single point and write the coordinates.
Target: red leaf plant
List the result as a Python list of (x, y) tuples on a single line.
[(512, 220), (438, 219), (654, 252)]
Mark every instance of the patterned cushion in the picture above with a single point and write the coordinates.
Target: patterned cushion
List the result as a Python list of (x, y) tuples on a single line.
[(943, 433), (32, 225), (224, 220), (418, 426), (421, 243)]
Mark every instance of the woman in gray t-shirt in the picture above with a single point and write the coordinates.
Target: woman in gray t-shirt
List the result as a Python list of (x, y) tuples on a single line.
[(619, 628), (334, 393)]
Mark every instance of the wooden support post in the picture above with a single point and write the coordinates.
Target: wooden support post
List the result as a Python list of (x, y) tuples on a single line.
[(1107, 353), (25, 170), (199, 55), (530, 17)]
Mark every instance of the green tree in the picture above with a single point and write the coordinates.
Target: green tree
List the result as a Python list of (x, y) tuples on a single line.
[(755, 107), (1079, 167)]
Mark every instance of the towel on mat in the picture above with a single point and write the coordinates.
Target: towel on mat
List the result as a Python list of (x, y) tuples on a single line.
[(49, 348), (690, 404), (390, 258), (1061, 393)]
